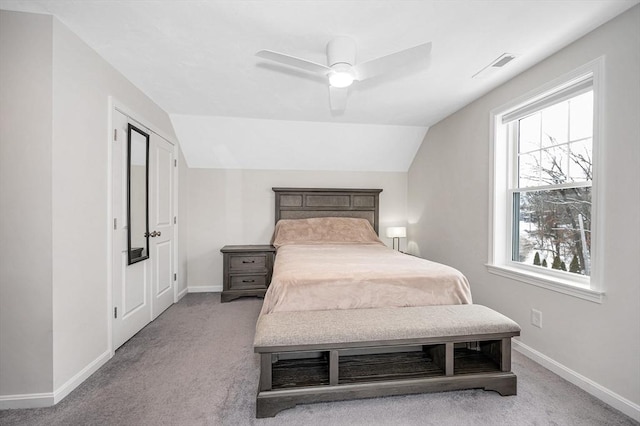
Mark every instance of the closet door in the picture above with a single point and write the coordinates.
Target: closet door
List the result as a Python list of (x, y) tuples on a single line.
[(161, 218), (130, 283), (142, 287)]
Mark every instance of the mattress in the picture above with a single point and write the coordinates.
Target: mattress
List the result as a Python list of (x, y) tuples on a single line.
[(352, 276)]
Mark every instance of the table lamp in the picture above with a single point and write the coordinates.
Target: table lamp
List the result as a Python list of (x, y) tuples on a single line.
[(396, 232)]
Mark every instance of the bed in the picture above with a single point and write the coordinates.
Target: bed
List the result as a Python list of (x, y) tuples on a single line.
[(330, 264), (329, 256)]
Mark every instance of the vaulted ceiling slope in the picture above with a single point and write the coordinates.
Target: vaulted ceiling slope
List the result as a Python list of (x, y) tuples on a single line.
[(196, 59), (301, 145)]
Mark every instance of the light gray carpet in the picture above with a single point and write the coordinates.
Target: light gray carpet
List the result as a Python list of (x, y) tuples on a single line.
[(195, 365)]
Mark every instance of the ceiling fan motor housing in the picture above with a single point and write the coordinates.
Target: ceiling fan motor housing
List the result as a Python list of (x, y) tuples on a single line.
[(341, 50)]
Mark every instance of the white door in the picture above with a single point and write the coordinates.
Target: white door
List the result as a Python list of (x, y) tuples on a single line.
[(131, 283), (161, 249), (143, 290)]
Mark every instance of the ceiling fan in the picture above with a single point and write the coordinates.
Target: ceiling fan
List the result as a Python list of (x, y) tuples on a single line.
[(341, 69)]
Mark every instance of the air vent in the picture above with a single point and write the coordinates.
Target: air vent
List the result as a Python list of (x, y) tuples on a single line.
[(500, 62), (503, 60)]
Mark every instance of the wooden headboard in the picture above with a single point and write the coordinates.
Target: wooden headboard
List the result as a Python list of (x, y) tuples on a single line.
[(304, 203)]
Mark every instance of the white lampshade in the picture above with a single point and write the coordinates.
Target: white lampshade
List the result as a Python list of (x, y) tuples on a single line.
[(396, 232)]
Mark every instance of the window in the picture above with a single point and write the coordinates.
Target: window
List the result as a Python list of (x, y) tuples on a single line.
[(544, 205)]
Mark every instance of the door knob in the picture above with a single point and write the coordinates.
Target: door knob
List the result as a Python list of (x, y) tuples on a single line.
[(153, 234)]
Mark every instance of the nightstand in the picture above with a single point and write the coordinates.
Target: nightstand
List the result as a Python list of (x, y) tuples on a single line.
[(247, 270)]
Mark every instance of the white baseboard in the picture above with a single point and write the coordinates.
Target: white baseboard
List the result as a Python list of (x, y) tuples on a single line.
[(183, 293), (82, 375), (39, 400), (618, 402), (205, 288), (31, 400)]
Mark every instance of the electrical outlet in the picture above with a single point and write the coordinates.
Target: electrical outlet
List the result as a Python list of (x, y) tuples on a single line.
[(536, 318)]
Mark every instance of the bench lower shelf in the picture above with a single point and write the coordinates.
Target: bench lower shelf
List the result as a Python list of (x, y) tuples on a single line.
[(332, 376), (293, 373)]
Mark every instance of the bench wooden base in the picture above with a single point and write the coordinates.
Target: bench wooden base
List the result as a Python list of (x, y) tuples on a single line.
[(270, 403), (454, 363)]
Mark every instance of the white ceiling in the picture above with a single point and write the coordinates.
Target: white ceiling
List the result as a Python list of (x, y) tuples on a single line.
[(196, 58)]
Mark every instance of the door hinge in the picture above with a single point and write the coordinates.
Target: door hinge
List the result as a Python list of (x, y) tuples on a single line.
[(175, 277), (175, 220), (115, 134), (115, 223), (115, 312), (175, 163)]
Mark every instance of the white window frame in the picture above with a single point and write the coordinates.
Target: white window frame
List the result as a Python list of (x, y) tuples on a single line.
[(500, 211)]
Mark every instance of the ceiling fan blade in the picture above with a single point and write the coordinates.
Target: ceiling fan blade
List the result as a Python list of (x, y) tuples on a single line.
[(338, 98), (292, 61), (418, 56)]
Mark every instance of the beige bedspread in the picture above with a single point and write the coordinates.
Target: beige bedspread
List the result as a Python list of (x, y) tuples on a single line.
[(348, 276)]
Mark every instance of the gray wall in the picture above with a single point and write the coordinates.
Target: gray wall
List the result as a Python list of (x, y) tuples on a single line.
[(55, 202), (448, 211), (237, 207), (25, 203), (82, 83)]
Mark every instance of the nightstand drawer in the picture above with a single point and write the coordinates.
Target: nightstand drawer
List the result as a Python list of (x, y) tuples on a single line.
[(237, 282), (246, 262), (246, 270)]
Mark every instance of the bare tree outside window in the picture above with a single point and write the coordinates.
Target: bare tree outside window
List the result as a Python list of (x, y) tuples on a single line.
[(552, 204)]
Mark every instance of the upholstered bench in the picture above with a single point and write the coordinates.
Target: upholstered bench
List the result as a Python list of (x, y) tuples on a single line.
[(318, 356)]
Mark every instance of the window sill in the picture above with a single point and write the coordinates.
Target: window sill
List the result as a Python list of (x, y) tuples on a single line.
[(539, 280)]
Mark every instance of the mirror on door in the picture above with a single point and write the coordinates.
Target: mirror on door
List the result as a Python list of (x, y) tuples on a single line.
[(138, 194)]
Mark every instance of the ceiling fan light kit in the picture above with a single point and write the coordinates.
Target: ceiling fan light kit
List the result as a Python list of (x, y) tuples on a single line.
[(341, 76), (341, 69)]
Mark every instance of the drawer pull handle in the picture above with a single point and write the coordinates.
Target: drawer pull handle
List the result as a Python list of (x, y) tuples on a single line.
[(248, 281), (248, 261)]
